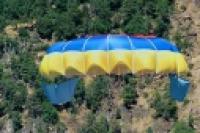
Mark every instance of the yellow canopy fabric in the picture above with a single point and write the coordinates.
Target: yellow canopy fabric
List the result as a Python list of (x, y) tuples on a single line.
[(112, 62)]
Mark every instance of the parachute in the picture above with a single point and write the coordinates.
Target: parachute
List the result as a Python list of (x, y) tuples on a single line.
[(57, 94), (112, 55)]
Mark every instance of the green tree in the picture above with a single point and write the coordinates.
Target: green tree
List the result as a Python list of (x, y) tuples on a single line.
[(88, 127), (98, 25), (95, 125), (61, 128), (23, 67), (191, 121), (101, 9), (102, 124), (165, 107), (1, 70), (23, 33), (129, 95), (181, 43), (163, 8), (34, 103), (2, 23), (138, 24), (14, 93), (161, 26), (7, 44), (17, 120), (130, 8), (115, 4), (96, 91), (65, 28), (80, 92), (45, 25), (49, 113), (114, 126), (34, 107), (60, 6), (19, 97), (3, 108), (182, 127), (83, 28), (149, 130), (100, 17)]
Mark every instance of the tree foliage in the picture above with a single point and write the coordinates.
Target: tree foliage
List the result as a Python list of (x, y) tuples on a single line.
[(16, 120), (80, 92), (96, 91), (45, 25), (181, 43), (23, 67), (165, 107), (182, 127), (7, 44), (95, 125), (49, 113), (14, 94), (88, 16), (129, 95), (23, 33)]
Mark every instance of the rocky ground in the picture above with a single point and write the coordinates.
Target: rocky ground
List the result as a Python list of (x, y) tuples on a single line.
[(186, 20)]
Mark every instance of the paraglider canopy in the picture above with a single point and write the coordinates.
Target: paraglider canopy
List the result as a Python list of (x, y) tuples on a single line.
[(112, 54)]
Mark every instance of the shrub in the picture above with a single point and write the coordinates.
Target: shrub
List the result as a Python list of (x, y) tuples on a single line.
[(24, 67), (95, 125), (141, 25), (80, 92), (2, 23), (191, 121), (96, 91), (23, 33), (34, 103), (7, 44), (88, 127), (182, 127), (129, 95), (165, 107), (1, 70), (114, 126), (41, 126), (99, 26), (17, 120), (14, 93), (65, 28), (45, 25), (3, 108), (61, 128), (34, 107), (118, 114), (181, 43), (149, 130), (19, 97), (49, 113)]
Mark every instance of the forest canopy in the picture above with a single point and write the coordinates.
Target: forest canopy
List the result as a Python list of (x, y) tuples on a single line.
[(65, 19)]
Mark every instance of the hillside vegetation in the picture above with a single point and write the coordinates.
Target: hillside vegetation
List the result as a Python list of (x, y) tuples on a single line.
[(102, 104)]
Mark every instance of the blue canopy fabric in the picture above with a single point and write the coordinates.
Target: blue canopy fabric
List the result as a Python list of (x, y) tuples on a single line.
[(60, 93), (113, 42), (178, 87)]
